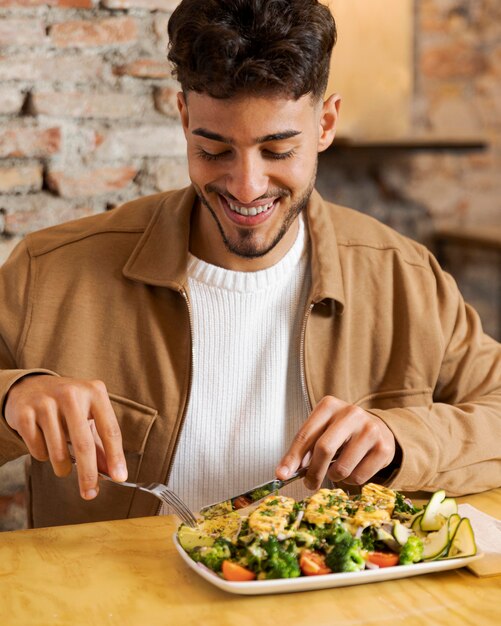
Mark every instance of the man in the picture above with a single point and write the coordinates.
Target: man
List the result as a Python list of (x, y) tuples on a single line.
[(242, 326)]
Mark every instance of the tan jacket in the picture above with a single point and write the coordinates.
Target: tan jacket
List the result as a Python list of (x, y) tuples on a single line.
[(106, 298)]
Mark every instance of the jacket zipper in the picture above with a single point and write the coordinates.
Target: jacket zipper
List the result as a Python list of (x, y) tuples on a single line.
[(183, 417), (302, 357)]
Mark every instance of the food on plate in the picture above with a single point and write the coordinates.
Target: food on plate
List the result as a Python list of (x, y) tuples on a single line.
[(329, 532)]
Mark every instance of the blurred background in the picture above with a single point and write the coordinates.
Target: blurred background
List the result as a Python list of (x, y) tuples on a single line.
[(88, 120)]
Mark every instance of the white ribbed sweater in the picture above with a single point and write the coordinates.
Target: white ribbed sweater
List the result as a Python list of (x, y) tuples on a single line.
[(246, 399)]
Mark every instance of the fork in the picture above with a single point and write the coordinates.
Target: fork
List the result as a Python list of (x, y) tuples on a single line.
[(160, 491)]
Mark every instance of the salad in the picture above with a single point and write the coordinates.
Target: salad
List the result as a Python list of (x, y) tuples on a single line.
[(328, 532)]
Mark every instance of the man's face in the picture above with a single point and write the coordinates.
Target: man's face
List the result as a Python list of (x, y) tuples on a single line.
[(253, 161)]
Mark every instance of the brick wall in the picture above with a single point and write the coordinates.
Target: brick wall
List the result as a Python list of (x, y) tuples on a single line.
[(87, 110), (88, 120)]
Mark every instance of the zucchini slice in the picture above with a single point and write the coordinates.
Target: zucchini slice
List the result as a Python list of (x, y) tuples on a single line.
[(401, 533), (436, 543), (463, 540), (416, 525), (437, 511)]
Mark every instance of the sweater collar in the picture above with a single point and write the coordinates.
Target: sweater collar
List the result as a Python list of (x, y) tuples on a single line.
[(162, 252)]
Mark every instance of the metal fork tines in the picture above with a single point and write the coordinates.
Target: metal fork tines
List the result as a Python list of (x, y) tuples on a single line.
[(169, 497), (160, 491)]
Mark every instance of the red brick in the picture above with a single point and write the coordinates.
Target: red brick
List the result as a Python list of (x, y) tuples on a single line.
[(144, 68), (11, 101), (166, 101), (72, 69), (29, 142), (88, 33), (160, 27), (153, 5), (60, 4), (88, 105), (20, 179), (90, 182), (25, 214), (457, 60), (143, 141), (171, 173), (21, 32)]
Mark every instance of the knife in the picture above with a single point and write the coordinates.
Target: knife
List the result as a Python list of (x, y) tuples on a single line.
[(252, 496)]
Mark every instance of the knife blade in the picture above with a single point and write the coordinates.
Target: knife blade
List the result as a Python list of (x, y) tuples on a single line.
[(251, 496)]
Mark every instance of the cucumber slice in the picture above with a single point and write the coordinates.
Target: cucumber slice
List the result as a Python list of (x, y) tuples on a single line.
[(453, 523), (436, 543), (437, 511), (401, 533), (448, 507), (463, 541), (416, 525)]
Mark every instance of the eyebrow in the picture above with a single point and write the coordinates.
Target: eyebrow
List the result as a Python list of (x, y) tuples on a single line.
[(286, 134)]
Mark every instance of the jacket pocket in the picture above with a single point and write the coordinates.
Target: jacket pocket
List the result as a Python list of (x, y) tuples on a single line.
[(54, 501), (135, 421), (396, 398)]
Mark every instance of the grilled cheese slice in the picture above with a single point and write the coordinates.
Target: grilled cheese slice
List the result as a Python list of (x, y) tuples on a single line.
[(375, 505), (325, 506), (271, 516)]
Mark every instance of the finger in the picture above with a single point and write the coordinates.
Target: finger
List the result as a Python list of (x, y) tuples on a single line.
[(31, 434), (102, 466), (108, 429), (76, 416), (307, 435), (335, 438), (49, 423), (371, 464), (360, 443)]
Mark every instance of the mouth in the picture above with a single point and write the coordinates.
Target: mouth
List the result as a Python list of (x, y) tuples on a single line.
[(249, 215)]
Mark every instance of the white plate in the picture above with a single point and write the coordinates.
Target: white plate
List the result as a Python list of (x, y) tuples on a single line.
[(309, 583)]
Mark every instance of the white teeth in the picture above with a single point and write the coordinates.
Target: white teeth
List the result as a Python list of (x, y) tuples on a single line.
[(255, 210)]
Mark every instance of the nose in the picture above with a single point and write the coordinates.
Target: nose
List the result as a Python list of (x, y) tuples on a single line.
[(247, 180)]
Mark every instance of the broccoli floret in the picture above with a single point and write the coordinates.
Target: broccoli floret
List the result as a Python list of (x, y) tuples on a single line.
[(212, 556), (412, 551), (345, 554), (253, 556), (280, 563)]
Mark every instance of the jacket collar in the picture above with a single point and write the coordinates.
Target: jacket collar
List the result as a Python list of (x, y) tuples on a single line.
[(161, 254)]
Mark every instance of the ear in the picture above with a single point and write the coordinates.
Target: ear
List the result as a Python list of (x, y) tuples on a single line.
[(182, 107), (328, 121)]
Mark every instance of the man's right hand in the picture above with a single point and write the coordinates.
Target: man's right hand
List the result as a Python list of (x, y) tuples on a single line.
[(50, 412)]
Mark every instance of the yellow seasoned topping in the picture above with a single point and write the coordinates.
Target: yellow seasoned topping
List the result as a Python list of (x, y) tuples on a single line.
[(271, 516), (378, 492), (375, 505), (325, 506)]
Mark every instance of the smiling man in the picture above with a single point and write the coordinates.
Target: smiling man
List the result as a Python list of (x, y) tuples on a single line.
[(213, 336), (253, 162)]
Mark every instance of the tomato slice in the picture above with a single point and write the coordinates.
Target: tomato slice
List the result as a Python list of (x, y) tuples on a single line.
[(383, 559), (313, 563), (236, 573)]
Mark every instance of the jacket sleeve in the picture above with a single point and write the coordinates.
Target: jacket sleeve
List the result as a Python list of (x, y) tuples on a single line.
[(455, 442), (15, 285)]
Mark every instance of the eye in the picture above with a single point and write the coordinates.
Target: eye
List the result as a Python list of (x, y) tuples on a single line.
[(209, 156), (278, 156)]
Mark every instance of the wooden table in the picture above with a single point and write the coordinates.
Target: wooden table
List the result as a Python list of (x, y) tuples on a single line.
[(128, 573)]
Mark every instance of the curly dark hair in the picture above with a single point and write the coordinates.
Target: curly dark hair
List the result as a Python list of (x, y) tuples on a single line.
[(227, 47)]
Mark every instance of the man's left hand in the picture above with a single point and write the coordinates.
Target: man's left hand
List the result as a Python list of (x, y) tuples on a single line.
[(361, 441)]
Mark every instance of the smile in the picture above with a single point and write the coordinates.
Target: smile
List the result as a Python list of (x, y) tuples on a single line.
[(251, 211)]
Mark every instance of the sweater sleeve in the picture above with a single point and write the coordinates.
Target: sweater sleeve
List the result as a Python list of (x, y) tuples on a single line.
[(455, 442), (15, 280)]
